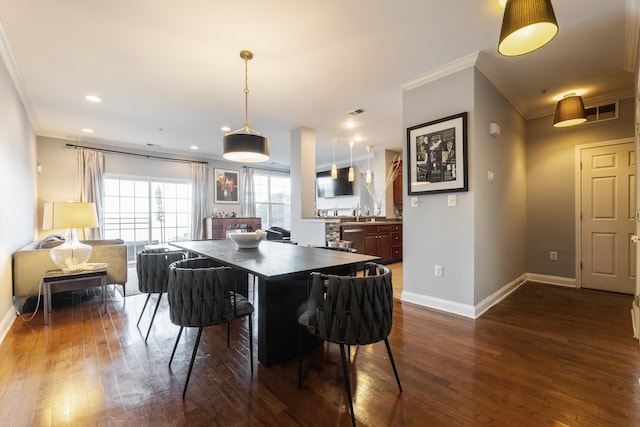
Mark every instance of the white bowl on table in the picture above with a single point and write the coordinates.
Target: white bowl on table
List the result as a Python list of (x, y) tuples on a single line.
[(247, 240)]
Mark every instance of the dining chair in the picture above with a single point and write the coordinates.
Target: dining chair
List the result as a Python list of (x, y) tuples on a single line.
[(201, 294), (152, 267), (349, 310)]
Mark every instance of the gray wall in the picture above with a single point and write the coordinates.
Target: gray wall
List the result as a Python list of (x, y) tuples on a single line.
[(550, 193), (500, 206), (432, 232), (481, 241), (17, 188)]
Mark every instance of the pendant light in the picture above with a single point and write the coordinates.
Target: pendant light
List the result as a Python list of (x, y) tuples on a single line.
[(526, 26), (334, 168), (367, 176), (569, 112), (352, 176), (245, 144)]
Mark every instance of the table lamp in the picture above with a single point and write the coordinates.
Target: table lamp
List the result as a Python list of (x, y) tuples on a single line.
[(70, 255)]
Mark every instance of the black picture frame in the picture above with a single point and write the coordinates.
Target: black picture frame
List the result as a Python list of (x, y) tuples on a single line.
[(437, 156), (227, 186)]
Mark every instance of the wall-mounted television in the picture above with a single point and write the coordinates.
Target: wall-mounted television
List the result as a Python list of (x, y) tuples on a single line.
[(329, 187)]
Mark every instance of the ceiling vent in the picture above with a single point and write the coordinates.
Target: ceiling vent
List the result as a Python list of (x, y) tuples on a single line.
[(355, 112), (602, 112)]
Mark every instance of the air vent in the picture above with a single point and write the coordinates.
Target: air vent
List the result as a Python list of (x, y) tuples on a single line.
[(602, 112), (355, 112)]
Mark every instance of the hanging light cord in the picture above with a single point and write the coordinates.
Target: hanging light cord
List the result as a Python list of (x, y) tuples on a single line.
[(246, 92)]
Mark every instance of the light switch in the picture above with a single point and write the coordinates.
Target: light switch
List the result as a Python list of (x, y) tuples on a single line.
[(452, 200), (414, 202), (491, 176)]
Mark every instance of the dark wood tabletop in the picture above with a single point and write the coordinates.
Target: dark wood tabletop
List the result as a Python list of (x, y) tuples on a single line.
[(274, 260)]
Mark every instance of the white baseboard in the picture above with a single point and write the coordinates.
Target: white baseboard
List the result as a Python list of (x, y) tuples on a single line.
[(567, 282), (479, 309), (438, 304), (6, 322)]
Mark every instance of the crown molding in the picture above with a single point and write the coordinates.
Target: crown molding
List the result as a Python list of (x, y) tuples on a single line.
[(443, 71), (494, 77), (16, 77)]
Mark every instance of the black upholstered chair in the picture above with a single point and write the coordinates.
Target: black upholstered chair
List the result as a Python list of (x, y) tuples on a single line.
[(200, 295), (152, 267), (349, 310)]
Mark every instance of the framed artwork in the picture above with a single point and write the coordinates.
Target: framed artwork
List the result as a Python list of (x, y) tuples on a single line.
[(227, 186), (437, 153)]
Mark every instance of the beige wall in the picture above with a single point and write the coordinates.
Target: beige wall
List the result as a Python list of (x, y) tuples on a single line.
[(17, 189), (551, 217)]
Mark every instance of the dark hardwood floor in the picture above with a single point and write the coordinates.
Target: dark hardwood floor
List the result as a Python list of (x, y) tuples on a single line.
[(545, 356)]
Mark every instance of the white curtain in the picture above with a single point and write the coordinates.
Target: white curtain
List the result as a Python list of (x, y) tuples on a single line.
[(199, 192), (91, 182), (248, 202)]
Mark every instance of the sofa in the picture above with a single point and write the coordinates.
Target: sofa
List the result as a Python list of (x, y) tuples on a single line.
[(32, 261)]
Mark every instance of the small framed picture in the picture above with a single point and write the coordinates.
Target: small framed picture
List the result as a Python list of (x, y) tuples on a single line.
[(437, 154), (227, 186)]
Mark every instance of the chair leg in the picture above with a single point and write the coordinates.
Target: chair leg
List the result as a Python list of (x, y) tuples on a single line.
[(393, 364), (251, 341), (176, 344), (154, 316), (143, 307), (347, 382), (193, 358)]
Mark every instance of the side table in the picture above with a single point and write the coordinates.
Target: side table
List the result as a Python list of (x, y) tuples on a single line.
[(69, 281)]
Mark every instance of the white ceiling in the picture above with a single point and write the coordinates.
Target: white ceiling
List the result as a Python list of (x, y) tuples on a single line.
[(170, 74)]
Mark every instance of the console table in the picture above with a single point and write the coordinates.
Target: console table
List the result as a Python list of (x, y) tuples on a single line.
[(69, 282), (216, 228)]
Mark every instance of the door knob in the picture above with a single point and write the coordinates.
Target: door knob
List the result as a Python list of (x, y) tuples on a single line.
[(635, 238)]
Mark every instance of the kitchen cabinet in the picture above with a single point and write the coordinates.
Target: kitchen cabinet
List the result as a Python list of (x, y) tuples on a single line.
[(216, 228), (382, 240)]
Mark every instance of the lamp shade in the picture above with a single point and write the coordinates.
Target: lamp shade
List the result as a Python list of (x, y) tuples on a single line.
[(569, 112), (526, 26), (245, 147), (73, 215)]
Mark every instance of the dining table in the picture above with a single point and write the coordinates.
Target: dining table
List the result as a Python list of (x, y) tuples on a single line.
[(283, 271)]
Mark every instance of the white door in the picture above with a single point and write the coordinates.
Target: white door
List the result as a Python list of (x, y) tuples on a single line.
[(608, 217)]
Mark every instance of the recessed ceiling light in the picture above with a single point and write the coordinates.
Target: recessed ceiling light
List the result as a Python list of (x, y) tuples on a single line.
[(87, 130), (194, 147), (357, 138), (225, 128), (350, 124), (93, 98)]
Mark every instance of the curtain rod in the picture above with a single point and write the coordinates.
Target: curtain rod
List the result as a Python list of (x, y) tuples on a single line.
[(148, 156), (266, 169)]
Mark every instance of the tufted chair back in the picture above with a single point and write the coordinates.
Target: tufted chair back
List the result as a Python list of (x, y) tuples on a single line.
[(352, 310), (153, 270), (200, 294)]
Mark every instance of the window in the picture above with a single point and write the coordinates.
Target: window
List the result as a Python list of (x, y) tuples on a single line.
[(143, 212), (273, 200)]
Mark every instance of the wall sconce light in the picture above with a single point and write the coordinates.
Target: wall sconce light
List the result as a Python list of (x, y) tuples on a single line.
[(569, 111), (527, 25)]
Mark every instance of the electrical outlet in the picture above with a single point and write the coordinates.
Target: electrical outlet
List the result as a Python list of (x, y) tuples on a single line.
[(439, 270), (553, 255)]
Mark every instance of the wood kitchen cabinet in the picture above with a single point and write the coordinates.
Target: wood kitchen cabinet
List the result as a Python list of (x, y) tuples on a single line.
[(384, 241)]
